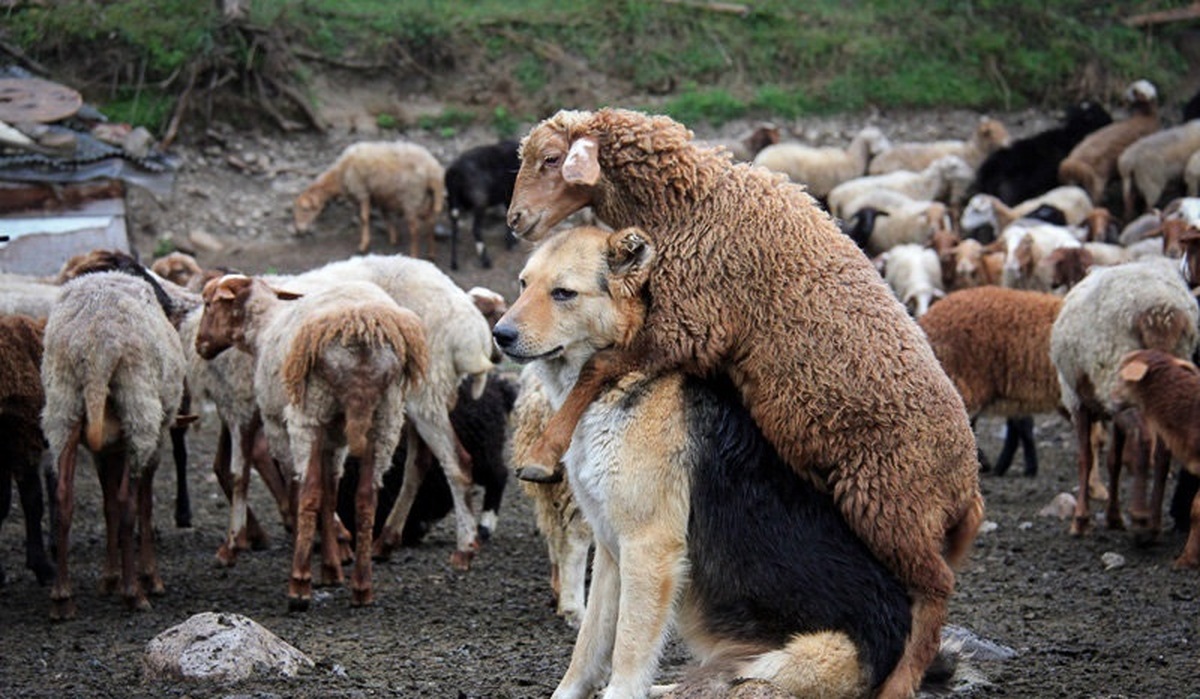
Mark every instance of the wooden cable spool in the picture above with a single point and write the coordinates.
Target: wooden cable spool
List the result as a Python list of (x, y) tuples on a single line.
[(25, 100)]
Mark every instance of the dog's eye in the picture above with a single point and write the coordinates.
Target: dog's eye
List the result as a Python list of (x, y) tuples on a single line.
[(561, 294)]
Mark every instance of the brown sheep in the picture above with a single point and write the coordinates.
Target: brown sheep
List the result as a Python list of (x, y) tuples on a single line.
[(1092, 163), (1166, 389), (401, 178), (989, 136), (754, 280)]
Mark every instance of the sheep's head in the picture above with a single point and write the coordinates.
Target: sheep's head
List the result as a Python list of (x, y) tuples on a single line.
[(221, 325), (1137, 367), (307, 207), (560, 167), (991, 135), (177, 267)]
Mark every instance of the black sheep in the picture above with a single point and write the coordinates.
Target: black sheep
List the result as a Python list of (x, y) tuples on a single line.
[(1191, 110), (1029, 167), (481, 426), (481, 177)]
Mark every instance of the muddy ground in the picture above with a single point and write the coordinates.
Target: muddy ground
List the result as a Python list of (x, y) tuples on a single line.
[(1079, 628)]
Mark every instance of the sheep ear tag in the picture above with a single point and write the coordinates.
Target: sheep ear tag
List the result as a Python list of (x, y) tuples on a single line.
[(581, 165), (1134, 371)]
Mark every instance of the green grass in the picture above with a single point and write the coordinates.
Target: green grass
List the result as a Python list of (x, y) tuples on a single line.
[(782, 59)]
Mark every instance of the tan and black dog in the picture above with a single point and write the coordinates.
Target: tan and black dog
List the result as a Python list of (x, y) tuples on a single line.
[(699, 524)]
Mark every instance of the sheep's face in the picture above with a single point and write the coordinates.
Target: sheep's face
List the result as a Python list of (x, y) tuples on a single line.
[(221, 325), (556, 179), (305, 210), (177, 268), (581, 291)]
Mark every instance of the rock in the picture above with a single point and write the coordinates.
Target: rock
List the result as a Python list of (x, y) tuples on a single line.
[(742, 689), (1112, 560), (203, 240), (1062, 506), (220, 647)]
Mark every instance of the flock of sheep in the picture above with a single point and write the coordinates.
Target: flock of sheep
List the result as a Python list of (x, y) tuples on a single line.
[(1050, 273)]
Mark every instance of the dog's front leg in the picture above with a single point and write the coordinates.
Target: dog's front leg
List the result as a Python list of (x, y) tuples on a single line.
[(654, 566), (592, 656)]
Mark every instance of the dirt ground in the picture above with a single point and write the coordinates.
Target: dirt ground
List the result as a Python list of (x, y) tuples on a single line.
[(1079, 627)]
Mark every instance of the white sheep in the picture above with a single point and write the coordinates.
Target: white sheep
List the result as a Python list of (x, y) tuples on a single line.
[(1113, 311), (398, 177), (821, 169), (559, 520), (1154, 161), (30, 296), (986, 210), (1026, 243), (900, 219), (914, 274), (113, 371), (331, 371), (945, 179), (460, 345), (988, 137)]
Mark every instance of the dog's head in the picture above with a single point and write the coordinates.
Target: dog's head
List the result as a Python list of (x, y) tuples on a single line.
[(582, 290)]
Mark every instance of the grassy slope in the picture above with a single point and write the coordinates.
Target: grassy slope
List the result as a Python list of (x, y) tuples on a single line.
[(781, 59)]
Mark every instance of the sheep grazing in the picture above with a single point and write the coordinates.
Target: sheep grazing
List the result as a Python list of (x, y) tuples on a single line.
[(781, 334), (1092, 162), (331, 370), (945, 179), (21, 441), (820, 169), (1029, 166), (559, 520), (1166, 390), (400, 178), (479, 178), (914, 273), (989, 136), (1155, 161), (1113, 311), (117, 393), (994, 343)]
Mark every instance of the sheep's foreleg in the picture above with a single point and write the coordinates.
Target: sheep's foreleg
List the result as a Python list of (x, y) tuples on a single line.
[(62, 601), (1112, 511), (364, 215), (393, 527), (365, 496), (29, 489), (300, 584), (1190, 558), (127, 488), (477, 234), (542, 460), (1083, 437)]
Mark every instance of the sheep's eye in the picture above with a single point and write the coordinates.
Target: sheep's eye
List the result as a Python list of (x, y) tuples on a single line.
[(561, 294), (552, 160)]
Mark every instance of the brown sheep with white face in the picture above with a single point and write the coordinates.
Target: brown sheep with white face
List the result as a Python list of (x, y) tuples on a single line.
[(755, 281)]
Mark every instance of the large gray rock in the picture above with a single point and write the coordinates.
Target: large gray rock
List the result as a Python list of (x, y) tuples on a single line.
[(220, 647)]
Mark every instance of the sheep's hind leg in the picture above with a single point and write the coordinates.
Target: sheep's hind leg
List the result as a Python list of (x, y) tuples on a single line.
[(331, 528), (151, 581), (62, 600), (300, 583), (361, 592)]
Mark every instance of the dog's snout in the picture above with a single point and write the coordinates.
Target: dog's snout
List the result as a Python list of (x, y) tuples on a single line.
[(505, 335)]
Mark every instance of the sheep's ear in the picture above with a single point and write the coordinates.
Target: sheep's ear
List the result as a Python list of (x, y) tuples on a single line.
[(223, 293), (582, 165), (1134, 371), (630, 255), (283, 295)]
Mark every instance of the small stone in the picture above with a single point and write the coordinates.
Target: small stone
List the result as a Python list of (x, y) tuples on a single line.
[(1112, 560)]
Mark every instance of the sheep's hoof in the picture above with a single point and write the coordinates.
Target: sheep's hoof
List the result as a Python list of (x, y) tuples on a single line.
[(62, 609), (362, 597), (461, 560), (299, 604), (331, 574), (1081, 525), (108, 584), (225, 557), (1030, 471), (536, 473), (153, 584), (1144, 534), (43, 570), (1184, 562)]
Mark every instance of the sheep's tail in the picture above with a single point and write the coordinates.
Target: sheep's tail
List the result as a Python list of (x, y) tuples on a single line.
[(365, 329), (962, 534), (95, 401), (1073, 172)]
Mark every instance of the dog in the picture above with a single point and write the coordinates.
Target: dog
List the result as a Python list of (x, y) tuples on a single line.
[(698, 523)]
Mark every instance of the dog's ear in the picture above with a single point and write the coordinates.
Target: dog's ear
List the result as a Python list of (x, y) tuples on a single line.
[(582, 165), (630, 256)]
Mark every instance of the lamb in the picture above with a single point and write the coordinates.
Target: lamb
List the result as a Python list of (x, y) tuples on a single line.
[(1091, 163), (821, 169), (1027, 243), (970, 264), (994, 343), (559, 520), (945, 179), (1113, 311), (914, 274), (180, 269), (985, 212), (21, 440), (400, 178), (989, 136), (116, 392), (1166, 390), (479, 178), (782, 338), (1029, 166), (1154, 161), (900, 219), (460, 345), (331, 370)]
